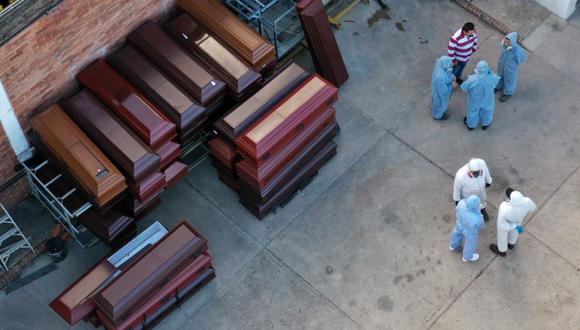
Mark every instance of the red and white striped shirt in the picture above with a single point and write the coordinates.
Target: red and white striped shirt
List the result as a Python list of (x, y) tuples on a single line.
[(462, 47)]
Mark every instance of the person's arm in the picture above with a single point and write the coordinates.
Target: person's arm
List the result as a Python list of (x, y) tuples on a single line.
[(457, 189), (475, 43), (451, 48), (530, 204), (486, 173)]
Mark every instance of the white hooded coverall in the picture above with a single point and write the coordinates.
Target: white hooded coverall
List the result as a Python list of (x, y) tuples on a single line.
[(509, 216), (466, 185)]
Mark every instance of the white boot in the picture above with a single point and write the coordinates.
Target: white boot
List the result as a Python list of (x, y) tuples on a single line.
[(451, 249), (474, 258)]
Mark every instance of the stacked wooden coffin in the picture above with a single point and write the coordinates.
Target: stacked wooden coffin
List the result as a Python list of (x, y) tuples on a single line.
[(146, 121), (321, 41), (142, 282), (202, 45), (229, 127), (75, 160), (287, 146), (224, 25), (188, 74)]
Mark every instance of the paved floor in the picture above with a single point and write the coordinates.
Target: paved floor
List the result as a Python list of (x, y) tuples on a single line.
[(365, 245)]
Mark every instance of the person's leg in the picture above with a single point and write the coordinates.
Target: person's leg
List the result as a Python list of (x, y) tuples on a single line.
[(456, 239), (458, 70), (486, 117), (499, 86), (470, 246), (501, 247), (472, 116), (512, 237)]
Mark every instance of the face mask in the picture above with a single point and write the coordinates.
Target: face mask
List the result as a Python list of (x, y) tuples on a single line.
[(508, 47), (475, 70)]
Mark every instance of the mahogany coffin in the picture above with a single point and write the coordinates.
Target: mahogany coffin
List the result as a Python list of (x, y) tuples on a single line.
[(83, 159), (297, 182), (138, 209), (152, 185), (238, 76), (233, 183), (290, 170), (237, 120), (321, 41), (185, 113), (108, 226), (75, 303), (151, 271), (192, 272), (135, 158), (177, 64), (128, 103), (260, 176), (224, 24), (265, 137), (175, 172), (168, 152), (223, 151)]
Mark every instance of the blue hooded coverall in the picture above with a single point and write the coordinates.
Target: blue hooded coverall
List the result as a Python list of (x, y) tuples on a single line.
[(469, 222), (441, 86), (480, 98), (509, 64)]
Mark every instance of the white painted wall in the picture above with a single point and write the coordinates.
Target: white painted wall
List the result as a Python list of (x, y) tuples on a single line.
[(562, 8), (12, 127)]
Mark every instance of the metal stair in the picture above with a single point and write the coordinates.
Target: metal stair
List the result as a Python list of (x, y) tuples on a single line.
[(11, 238)]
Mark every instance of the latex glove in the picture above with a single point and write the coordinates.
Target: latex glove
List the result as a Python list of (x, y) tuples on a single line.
[(520, 229), (454, 84), (487, 185), (456, 202)]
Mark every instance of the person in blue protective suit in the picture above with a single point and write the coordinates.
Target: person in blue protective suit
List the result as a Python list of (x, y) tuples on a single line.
[(480, 99), (441, 87), (512, 57), (467, 226)]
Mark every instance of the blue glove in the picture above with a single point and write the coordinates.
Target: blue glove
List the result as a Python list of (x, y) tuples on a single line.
[(520, 229)]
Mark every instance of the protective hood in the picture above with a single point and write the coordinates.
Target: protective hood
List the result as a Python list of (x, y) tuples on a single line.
[(472, 203), (513, 37), (516, 199), (482, 68), (475, 165), (440, 71), (444, 62)]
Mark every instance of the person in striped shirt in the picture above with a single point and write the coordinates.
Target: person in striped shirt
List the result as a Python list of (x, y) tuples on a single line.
[(462, 44)]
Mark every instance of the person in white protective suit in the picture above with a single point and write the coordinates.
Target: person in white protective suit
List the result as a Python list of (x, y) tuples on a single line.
[(472, 179), (510, 216)]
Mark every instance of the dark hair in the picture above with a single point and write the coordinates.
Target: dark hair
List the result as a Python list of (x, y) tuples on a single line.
[(508, 192), (468, 27)]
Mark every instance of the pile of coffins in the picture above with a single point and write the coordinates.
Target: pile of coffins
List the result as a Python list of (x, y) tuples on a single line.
[(143, 281), (272, 144)]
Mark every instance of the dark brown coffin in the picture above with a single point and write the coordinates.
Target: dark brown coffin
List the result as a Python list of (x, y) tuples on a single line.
[(128, 103), (297, 182), (138, 209), (277, 128), (260, 176), (152, 185), (177, 64), (194, 272), (224, 151), (237, 120), (174, 173), (150, 272), (75, 303), (135, 158), (203, 46), (222, 22), (168, 153), (182, 110), (108, 226), (234, 184), (82, 158), (321, 41), (281, 179)]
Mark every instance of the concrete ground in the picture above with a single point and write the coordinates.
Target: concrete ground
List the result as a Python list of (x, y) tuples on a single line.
[(365, 245)]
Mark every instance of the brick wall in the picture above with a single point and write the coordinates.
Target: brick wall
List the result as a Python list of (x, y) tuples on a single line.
[(39, 64)]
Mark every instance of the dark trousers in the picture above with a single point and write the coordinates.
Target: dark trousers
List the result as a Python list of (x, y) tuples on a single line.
[(458, 69)]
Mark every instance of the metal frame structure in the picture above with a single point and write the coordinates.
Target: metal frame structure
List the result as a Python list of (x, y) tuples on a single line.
[(273, 19), (54, 204), (198, 142), (6, 251)]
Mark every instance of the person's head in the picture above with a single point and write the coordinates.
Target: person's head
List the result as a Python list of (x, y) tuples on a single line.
[(510, 39), (469, 29), (507, 42), (475, 167), (508, 192), (516, 198), (482, 68), (472, 202), (445, 62)]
